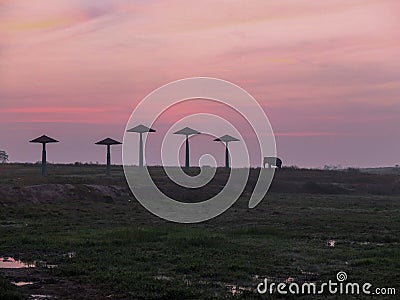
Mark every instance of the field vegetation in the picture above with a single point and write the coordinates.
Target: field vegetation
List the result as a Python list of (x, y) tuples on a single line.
[(90, 239)]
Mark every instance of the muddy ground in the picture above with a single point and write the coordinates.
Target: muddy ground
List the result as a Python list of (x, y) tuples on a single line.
[(90, 239)]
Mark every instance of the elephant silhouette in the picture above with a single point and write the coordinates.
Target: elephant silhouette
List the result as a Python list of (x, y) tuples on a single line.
[(273, 162)]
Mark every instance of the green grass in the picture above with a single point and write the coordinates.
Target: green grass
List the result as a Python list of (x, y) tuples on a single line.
[(9, 291), (124, 251)]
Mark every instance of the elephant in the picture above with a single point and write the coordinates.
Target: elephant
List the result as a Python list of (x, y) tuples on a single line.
[(273, 161)]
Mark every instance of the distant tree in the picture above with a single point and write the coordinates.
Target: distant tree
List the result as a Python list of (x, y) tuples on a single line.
[(3, 157), (353, 170)]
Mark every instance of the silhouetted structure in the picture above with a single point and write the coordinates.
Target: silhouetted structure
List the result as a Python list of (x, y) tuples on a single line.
[(226, 139), (108, 142), (187, 131), (273, 161), (3, 156), (44, 139), (141, 129)]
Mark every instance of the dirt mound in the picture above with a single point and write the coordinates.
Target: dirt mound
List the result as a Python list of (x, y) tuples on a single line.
[(49, 193)]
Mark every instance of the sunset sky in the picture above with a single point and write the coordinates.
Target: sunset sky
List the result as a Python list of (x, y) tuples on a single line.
[(327, 73)]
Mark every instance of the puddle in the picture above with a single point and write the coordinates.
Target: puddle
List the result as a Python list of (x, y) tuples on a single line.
[(236, 289), (49, 266), (11, 263), (308, 272), (257, 277), (233, 289), (39, 297), (22, 283), (163, 277), (331, 243), (366, 243), (71, 254), (289, 280)]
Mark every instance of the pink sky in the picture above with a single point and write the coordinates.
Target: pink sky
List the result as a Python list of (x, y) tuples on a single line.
[(327, 73)]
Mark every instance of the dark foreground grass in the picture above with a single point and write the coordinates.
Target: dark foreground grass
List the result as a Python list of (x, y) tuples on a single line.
[(163, 260), (116, 249), (9, 291)]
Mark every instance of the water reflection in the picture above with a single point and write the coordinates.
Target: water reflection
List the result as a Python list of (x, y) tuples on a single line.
[(22, 283), (39, 297), (11, 263)]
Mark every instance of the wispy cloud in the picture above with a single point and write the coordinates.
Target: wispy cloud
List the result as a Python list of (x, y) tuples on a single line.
[(309, 63)]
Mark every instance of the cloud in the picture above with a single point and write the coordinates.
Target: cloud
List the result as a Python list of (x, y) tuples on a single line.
[(309, 63)]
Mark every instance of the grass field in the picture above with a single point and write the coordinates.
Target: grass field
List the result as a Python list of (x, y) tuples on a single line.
[(90, 239)]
